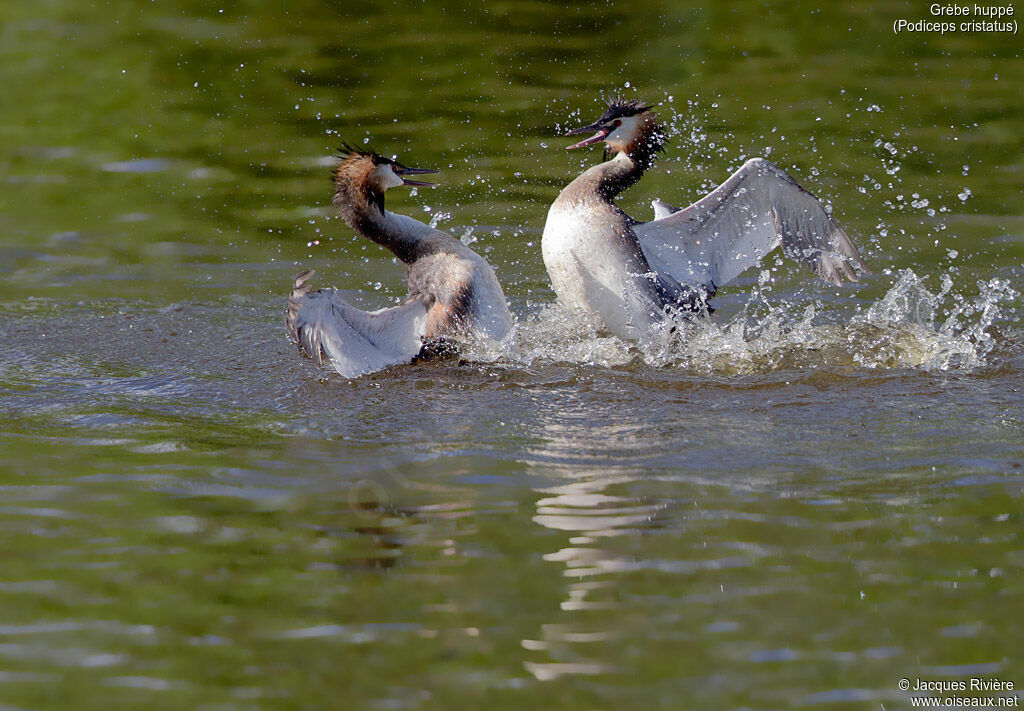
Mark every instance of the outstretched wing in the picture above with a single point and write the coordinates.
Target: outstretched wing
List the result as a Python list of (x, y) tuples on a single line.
[(354, 342), (722, 235)]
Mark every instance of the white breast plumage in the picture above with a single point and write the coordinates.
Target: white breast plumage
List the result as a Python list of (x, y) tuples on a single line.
[(591, 269)]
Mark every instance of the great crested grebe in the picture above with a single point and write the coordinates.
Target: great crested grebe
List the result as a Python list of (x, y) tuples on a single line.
[(634, 275), (453, 292)]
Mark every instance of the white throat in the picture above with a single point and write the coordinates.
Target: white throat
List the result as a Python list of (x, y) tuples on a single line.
[(385, 177), (626, 134)]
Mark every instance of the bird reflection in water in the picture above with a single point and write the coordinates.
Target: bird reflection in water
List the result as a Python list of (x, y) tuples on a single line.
[(583, 509)]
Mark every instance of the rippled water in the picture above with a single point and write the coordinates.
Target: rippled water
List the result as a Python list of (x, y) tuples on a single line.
[(797, 503)]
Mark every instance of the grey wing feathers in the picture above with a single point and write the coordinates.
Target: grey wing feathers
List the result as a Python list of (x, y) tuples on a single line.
[(730, 230), (352, 341)]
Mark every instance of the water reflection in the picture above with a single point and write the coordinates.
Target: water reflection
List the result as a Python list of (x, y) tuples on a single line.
[(583, 508)]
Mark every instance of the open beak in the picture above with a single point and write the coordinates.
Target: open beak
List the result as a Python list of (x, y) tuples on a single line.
[(602, 133), (402, 171)]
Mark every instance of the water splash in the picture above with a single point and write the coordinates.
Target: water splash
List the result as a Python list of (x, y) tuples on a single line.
[(936, 331), (909, 327)]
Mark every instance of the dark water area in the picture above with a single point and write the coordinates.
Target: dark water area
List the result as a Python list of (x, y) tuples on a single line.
[(802, 501)]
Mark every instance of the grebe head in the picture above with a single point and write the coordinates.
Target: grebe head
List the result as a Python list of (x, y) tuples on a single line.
[(627, 126), (366, 174)]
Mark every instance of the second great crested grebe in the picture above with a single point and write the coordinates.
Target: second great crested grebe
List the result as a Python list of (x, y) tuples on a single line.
[(453, 292), (633, 275)]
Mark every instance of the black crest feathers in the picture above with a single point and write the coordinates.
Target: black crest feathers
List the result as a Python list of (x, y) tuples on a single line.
[(347, 150), (619, 107)]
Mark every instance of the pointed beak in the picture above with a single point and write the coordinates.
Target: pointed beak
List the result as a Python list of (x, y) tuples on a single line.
[(601, 133), (403, 171)]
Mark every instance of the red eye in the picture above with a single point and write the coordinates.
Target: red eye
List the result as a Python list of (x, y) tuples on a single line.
[(616, 123)]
